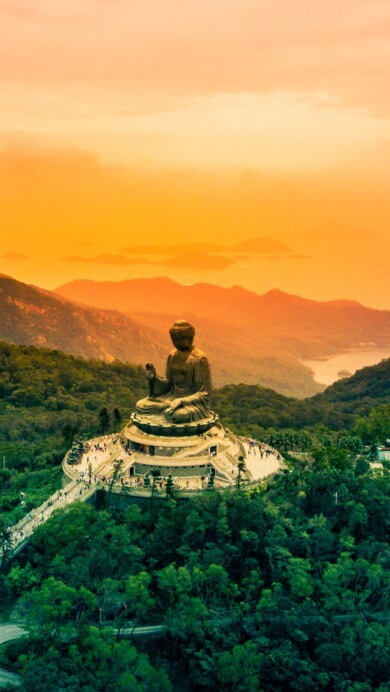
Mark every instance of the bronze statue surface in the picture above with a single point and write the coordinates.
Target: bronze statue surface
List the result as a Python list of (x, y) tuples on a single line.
[(183, 395)]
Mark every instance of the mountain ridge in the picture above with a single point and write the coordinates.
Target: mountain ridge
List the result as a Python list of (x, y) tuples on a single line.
[(94, 291), (319, 328)]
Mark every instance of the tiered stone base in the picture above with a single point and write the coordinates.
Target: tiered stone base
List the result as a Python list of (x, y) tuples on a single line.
[(154, 426), (212, 452)]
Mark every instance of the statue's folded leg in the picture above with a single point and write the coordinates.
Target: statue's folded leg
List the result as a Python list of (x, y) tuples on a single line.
[(150, 406), (181, 415), (187, 414)]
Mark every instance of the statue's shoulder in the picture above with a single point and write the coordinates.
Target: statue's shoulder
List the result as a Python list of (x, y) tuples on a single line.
[(198, 354)]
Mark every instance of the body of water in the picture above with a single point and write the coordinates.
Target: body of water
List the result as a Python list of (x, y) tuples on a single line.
[(326, 371)]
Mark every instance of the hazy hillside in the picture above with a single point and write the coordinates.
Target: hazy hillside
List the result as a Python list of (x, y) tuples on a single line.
[(237, 356), (40, 318), (250, 338)]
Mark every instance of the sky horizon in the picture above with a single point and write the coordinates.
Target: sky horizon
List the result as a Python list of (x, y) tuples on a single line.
[(155, 140)]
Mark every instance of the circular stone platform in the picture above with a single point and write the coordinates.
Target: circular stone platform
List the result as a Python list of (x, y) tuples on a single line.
[(194, 462), (215, 451), (153, 425)]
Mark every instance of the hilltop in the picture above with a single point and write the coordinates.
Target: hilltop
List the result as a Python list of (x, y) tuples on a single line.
[(366, 384)]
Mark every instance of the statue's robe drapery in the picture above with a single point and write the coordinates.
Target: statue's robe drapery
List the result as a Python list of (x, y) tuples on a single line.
[(191, 383)]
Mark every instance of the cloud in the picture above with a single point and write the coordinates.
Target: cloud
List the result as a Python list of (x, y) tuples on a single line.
[(290, 257), (200, 260), (105, 259), (262, 245), (300, 257), (15, 256), (181, 248), (18, 9), (255, 246), (180, 48)]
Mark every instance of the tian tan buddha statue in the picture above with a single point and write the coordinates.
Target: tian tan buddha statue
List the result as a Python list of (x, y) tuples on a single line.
[(183, 395)]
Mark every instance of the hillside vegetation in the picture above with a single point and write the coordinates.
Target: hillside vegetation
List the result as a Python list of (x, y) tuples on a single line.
[(33, 316), (48, 398), (254, 409)]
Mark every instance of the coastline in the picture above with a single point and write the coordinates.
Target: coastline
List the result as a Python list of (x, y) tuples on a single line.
[(326, 369)]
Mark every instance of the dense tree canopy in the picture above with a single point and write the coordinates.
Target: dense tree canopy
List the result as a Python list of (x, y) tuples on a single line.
[(285, 586)]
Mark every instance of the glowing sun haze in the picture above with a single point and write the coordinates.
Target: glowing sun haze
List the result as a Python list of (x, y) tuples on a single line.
[(165, 122)]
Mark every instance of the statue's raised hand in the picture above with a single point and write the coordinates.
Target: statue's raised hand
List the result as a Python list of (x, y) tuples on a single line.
[(150, 371)]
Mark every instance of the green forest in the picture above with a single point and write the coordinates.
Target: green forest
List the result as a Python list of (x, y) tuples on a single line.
[(282, 585)]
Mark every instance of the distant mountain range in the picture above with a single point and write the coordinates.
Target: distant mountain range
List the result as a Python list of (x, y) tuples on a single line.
[(309, 328), (249, 338)]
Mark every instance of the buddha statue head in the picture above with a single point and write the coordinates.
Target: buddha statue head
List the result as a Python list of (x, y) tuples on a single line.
[(182, 334)]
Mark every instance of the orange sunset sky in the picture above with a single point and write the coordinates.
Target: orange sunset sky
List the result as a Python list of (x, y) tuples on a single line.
[(153, 138)]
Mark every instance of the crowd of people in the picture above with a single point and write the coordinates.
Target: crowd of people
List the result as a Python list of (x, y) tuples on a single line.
[(254, 447)]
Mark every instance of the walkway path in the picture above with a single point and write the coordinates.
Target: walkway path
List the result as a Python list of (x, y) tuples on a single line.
[(8, 679), (261, 460), (8, 632), (78, 489), (22, 531)]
